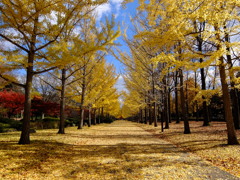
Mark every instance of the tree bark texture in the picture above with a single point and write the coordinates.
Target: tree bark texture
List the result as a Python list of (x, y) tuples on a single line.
[(62, 104), (183, 105)]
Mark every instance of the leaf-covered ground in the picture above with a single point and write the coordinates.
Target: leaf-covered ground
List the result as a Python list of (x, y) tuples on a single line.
[(210, 143), (121, 150)]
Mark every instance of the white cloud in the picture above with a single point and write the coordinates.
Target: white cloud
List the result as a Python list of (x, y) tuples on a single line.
[(113, 6), (103, 9), (117, 4)]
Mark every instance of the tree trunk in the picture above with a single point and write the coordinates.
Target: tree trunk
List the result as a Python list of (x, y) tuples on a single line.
[(99, 115), (176, 98), (161, 112), (95, 116), (169, 105), (102, 115), (235, 105), (166, 113), (80, 124), (81, 120), (141, 115), (138, 117), (186, 97), (195, 103), (155, 114), (232, 137), (233, 92), (146, 115), (183, 105), (62, 104), (150, 114), (206, 117), (166, 117), (89, 117), (25, 135)]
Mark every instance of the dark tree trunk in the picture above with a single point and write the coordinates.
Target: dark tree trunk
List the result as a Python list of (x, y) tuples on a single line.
[(146, 115), (206, 117), (150, 114), (162, 112), (232, 137), (166, 113), (102, 115), (81, 120), (176, 98), (162, 121), (235, 110), (138, 117), (99, 115), (183, 105), (196, 104), (62, 104), (89, 117), (155, 114), (141, 115), (186, 97), (80, 124), (95, 117), (233, 92), (169, 105), (166, 117), (25, 135), (199, 39)]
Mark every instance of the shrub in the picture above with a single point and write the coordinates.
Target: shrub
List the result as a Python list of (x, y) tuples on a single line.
[(16, 125), (50, 125), (47, 119), (10, 123), (72, 121), (106, 119), (3, 127), (5, 120), (69, 123)]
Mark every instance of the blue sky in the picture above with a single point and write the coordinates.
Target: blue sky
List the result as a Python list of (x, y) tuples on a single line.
[(122, 17)]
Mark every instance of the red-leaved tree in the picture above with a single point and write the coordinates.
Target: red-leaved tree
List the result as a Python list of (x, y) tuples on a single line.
[(12, 101)]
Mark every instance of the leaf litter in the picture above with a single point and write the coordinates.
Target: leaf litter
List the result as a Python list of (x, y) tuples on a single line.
[(121, 150)]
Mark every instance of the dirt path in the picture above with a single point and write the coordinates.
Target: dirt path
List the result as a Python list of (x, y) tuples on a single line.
[(118, 151)]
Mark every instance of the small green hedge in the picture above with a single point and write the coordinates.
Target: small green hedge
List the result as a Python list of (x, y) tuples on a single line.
[(5, 120), (11, 124), (3, 127), (47, 119)]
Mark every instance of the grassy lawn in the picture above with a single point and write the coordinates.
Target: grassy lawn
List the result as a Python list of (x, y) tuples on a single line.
[(207, 142)]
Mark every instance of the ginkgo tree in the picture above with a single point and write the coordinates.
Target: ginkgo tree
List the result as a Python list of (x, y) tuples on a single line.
[(27, 29)]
